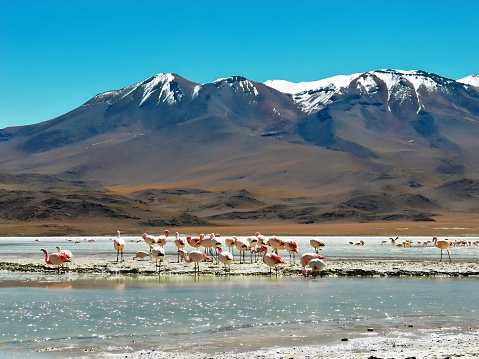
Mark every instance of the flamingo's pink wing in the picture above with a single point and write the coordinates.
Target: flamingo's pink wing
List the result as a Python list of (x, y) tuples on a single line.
[(276, 258)]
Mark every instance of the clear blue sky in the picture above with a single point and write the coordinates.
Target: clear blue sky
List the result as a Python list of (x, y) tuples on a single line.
[(57, 54)]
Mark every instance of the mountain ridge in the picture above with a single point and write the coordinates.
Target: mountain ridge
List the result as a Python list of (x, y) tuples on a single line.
[(380, 145)]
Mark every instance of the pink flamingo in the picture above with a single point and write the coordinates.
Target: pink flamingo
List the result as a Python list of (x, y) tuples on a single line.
[(208, 242), (179, 243), (262, 241), (253, 242), (158, 253), (119, 245), (54, 259), (226, 258), (64, 253), (316, 244), (242, 245), (141, 254), (148, 240), (195, 241), (195, 257), (316, 266), (163, 239), (271, 259), (276, 243), (442, 244), (306, 259), (230, 243), (292, 248), (217, 244)]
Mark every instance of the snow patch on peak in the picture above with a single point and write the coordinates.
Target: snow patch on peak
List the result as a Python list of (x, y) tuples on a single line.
[(471, 80), (315, 95), (295, 88), (284, 86), (167, 94), (196, 91), (238, 83), (416, 78)]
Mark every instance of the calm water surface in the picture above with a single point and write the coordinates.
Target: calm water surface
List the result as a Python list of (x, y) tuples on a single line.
[(86, 315), (336, 247)]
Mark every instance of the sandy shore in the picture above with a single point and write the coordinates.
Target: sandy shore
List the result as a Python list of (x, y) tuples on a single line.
[(434, 346), (343, 267)]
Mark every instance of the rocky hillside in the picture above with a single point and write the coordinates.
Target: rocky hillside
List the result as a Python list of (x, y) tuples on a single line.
[(381, 145)]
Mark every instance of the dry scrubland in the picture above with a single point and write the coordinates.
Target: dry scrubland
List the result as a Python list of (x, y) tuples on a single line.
[(444, 225)]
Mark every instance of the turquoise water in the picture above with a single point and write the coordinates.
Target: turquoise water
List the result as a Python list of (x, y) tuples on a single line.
[(336, 247), (77, 315), (47, 316)]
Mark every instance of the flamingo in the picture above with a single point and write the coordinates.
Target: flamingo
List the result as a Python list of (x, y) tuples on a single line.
[(195, 257), (276, 243), (393, 240), (242, 245), (292, 248), (119, 245), (179, 243), (148, 240), (253, 242), (54, 259), (317, 265), (158, 253), (195, 241), (316, 244), (207, 242), (262, 242), (217, 244), (64, 253), (230, 243), (442, 244), (226, 258), (163, 239), (271, 259), (306, 259), (141, 254)]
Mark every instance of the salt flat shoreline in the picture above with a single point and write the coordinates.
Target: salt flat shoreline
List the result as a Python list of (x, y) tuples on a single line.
[(170, 266), (436, 346)]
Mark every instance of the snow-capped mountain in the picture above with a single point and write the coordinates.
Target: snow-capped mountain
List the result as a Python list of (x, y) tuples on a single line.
[(471, 80), (171, 89), (405, 135), (316, 95), (162, 88)]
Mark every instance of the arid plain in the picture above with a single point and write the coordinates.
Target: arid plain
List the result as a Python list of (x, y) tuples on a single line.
[(444, 225)]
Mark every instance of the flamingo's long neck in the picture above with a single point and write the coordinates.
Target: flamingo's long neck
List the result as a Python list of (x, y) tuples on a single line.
[(47, 257), (265, 250)]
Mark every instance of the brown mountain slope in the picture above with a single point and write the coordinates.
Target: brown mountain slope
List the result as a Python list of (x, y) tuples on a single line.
[(169, 151)]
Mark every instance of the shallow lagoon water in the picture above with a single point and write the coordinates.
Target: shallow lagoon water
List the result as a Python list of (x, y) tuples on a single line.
[(47, 316), (336, 247)]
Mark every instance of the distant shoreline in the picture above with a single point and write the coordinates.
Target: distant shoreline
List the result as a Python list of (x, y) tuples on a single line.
[(454, 224)]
